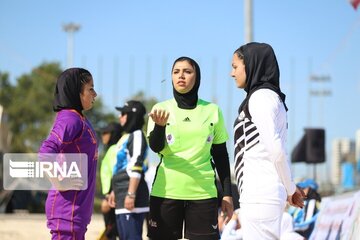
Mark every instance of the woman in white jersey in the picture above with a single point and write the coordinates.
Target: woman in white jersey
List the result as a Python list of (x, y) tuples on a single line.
[(189, 136), (262, 168)]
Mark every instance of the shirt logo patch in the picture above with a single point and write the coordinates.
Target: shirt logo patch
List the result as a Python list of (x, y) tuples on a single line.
[(241, 116), (187, 119), (170, 139), (209, 139), (152, 223)]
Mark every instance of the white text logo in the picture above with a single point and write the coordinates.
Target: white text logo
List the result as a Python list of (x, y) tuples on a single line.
[(41, 169)]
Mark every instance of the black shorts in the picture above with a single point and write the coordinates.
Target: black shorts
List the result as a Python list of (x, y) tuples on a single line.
[(167, 216)]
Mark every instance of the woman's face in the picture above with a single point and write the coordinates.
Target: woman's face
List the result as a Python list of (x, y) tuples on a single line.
[(122, 119), (183, 77), (105, 137), (238, 71), (87, 95)]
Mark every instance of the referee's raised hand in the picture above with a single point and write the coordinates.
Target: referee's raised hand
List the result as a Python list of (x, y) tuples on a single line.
[(160, 117)]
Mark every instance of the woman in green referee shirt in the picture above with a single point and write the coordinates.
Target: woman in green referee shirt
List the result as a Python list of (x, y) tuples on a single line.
[(189, 136)]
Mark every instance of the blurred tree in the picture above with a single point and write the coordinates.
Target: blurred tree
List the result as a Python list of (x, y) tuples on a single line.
[(98, 116), (5, 96), (5, 89), (29, 106)]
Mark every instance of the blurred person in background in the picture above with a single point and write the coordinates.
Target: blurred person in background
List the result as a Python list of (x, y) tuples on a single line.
[(110, 135), (130, 193), (305, 218), (232, 229)]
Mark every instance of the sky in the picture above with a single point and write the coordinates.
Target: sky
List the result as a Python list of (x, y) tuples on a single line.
[(129, 46)]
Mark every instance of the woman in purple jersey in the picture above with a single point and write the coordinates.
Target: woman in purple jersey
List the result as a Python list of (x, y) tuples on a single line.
[(68, 212)]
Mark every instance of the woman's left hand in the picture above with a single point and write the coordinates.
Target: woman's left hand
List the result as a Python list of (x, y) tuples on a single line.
[(227, 208), (111, 199), (129, 203), (297, 199)]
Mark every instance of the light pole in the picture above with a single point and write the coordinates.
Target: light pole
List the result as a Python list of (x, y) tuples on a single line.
[(320, 92), (248, 21), (321, 79), (70, 29)]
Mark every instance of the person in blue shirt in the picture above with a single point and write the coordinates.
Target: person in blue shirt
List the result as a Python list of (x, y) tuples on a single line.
[(130, 195)]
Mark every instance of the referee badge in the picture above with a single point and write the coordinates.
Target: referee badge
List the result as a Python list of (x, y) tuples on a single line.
[(209, 139), (170, 139), (241, 116)]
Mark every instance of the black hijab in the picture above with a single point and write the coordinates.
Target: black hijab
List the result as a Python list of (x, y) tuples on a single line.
[(116, 133), (262, 71), (188, 100), (115, 130), (135, 111), (68, 89)]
